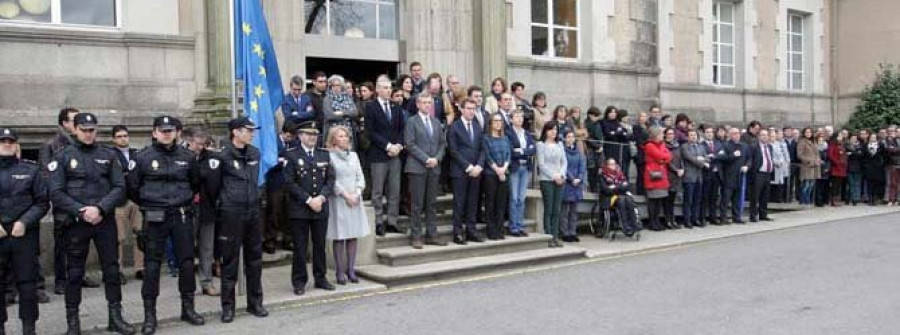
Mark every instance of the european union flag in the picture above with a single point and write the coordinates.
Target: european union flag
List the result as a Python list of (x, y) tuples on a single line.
[(257, 66)]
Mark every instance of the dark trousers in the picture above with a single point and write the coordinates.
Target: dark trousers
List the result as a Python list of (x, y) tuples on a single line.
[(496, 199), (178, 226), (669, 206), (59, 250), (423, 189), (654, 209), (759, 195), (628, 218), (276, 218), (823, 191), (692, 201), (304, 230), (837, 189), (236, 230), (465, 204), (17, 255), (876, 190), (78, 237), (710, 199), (731, 198)]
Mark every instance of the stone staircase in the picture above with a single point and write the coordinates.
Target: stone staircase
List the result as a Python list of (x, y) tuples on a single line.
[(400, 264)]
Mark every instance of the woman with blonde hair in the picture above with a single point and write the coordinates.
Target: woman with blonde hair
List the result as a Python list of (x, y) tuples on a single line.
[(347, 220)]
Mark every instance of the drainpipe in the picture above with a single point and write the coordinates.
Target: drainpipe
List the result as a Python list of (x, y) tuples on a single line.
[(833, 38)]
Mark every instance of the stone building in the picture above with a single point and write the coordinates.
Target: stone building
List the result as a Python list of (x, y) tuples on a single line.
[(725, 61)]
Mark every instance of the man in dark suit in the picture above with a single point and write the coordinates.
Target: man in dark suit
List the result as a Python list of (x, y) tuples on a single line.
[(316, 97), (275, 219), (465, 146), (425, 144), (762, 169), (310, 181), (734, 167), (384, 127), (790, 138), (507, 105), (481, 114), (296, 106), (128, 215), (712, 177)]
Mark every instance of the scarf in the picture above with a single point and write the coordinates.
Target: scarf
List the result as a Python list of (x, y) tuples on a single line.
[(340, 101), (873, 148), (613, 176)]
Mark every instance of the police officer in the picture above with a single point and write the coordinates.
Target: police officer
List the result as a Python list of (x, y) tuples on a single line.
[(310, 180), (162, 179), (87, 184), (233, 176), (24, 203)]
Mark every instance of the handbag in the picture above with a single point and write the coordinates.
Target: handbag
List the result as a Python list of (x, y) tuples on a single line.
[(656, 175)]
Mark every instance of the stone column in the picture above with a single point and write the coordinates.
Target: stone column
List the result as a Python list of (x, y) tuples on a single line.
[(490, 36), (214, 104)]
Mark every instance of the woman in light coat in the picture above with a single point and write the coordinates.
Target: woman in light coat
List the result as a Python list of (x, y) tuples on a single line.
[(781, 158), (347, 220)]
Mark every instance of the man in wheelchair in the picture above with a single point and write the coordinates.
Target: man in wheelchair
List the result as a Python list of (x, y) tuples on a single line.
[(615, 196)]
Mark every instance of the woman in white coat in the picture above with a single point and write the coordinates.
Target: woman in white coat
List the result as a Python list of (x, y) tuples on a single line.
[(782, 159), (347, 220)]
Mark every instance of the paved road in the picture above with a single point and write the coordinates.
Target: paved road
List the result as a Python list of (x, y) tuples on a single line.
[(833, 278)]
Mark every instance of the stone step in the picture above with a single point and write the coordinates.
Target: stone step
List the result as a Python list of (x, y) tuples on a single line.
[(407, 255), (455, 268), (445, 232)]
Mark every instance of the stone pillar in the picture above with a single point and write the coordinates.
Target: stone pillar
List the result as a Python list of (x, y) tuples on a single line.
[(214, 104), (439, 34), (490, 37)]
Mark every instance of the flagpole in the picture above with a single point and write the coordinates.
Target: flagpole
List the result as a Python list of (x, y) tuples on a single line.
[(234, 114), (234, 110)]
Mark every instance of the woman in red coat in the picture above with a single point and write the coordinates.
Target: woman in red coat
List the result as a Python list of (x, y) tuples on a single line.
[(837, 155), (656, 179)]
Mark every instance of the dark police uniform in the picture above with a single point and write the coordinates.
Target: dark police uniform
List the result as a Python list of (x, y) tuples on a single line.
[(48, 151), (85, 175), (23, 198), (233, 176), (162, 180), (309, 174)]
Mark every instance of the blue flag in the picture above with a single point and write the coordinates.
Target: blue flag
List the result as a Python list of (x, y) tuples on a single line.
[(257, 66)]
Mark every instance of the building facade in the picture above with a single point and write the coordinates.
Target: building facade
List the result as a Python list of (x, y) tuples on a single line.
[(721, 61)]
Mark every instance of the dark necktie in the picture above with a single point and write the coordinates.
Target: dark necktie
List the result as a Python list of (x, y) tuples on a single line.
[(387, 111), (469, 130)]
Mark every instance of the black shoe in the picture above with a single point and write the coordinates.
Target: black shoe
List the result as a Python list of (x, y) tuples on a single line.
[(576, 239), (523, 233), (429, 240), (28, 328), (379, 230), (42, 297), (459, 239), (190, 315), (299, 291), (59, 290), (269, 248), (753, 220), (116, 323), (90, 282), (149, 325), (688, 225), (10, 299), (258, 311), (766, 219), (474, 238), (392, 229), (73, 322), (139, 274), (325, 285), (227, 316), (738, 221)]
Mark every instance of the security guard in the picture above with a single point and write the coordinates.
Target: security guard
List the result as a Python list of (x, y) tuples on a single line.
[(162, 179), (87, 183), (310, 180), (233, 176), (24, 202)]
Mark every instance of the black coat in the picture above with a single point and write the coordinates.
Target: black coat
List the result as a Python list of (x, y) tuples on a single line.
[(308, 177), (232, 176), (86, 175), (731, 163), (873, 163), (24, 195), (161, 177), (617, 138), (380, 131)]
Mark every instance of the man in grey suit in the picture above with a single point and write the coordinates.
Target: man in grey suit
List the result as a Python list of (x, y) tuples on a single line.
[(425, 145)]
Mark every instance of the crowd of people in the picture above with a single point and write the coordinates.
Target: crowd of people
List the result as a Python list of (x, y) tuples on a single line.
[(400, 143)]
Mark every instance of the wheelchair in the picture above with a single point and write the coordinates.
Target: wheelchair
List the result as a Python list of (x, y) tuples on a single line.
[(605, 220)]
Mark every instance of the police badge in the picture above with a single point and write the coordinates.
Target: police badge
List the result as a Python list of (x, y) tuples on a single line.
[(213, 164), (131, 165), (237, 165), (73, 164), (154, 165), (51, 166)]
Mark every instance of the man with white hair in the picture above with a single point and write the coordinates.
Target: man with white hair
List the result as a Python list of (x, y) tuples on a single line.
[(384, 125)]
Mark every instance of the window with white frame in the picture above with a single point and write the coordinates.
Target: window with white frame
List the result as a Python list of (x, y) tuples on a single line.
[(554, 28), (82, 12), (795, 52), (352, 18), (723, 43)]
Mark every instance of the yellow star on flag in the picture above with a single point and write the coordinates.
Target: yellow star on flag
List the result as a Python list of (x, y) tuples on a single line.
[(258, 91), (257, 49), (246, 28), (262, 71), (254, 105)]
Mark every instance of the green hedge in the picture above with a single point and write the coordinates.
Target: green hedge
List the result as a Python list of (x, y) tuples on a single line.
[(879, 103)]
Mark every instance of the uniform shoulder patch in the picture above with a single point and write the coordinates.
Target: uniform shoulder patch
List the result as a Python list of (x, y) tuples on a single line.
[(52, 166), (213, 163)]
